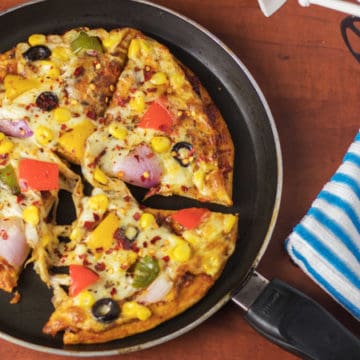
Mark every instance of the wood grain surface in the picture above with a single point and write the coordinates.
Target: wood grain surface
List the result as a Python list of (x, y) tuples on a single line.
[(311, 83)]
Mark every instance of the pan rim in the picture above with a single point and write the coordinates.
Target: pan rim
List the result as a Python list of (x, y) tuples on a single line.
[(267, 237)]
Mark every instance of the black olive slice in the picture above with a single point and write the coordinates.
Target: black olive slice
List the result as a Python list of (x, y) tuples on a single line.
[(183, 153), (105, 310), (131, 232), (47, 101), (38, 52)]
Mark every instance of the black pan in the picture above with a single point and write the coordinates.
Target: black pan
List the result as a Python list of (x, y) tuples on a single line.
[(257, 177)]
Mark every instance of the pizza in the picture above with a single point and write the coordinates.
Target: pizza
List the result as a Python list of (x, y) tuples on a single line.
[(92, 114)]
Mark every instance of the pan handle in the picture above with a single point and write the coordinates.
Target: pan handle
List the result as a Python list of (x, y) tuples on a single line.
[(297, 323)]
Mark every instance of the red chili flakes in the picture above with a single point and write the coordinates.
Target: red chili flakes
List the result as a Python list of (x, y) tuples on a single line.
[(184, 188), (127, 198), (100, 266), (89, 225), (137, 216), (148, 73), (63, 127), (20, 198), (122, 101), (113, 292), (155, 239), (135, 248), (166, 258), (99, 249), (3, 234), (91, 114), (109, 251), (79, 71), (145, 244)]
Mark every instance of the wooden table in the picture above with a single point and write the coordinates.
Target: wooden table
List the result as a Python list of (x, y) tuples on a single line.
[(311, 83)]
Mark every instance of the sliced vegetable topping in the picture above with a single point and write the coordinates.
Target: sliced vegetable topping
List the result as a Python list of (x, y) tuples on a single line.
[(15, 85), (38, 175), (140, 167), (157, 117), (80, 278), (103, 235), (86, 42), (47, 101), (15, 128), (189, 218), (145, 272), (183, 153), (38, 52), (106, 310), (8, 178), (73, 140), (13, 246)]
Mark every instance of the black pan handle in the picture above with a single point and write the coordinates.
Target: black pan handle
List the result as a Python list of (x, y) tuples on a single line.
[(297, 323), (346, 25)]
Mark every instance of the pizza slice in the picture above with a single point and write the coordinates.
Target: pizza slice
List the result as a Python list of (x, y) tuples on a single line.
[(54, 89), (30, 181), (130, 268), (162, 132)]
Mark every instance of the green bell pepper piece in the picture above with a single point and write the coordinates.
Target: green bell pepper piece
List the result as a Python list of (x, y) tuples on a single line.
[(145, 272), (86, 42), (8, 178)]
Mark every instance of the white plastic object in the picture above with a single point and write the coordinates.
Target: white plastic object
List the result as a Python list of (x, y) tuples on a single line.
[(339, 5)]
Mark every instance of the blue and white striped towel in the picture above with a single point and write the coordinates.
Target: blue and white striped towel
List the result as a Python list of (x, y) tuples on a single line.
[(326, 243)]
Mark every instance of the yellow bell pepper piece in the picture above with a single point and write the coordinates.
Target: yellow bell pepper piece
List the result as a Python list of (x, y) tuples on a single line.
[(103, 235), (15, 85), (73, 141)]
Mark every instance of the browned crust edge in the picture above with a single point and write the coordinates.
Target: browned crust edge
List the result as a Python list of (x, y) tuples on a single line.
[(8, 276)]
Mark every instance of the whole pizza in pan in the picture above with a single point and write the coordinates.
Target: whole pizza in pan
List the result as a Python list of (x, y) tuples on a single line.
[(94, 113)]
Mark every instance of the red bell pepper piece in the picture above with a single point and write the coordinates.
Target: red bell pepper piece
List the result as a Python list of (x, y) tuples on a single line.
[(157, 117), (38, 175), (189, 218), (80, 278)]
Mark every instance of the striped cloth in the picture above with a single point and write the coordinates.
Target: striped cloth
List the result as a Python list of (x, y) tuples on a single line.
[(326, 243)]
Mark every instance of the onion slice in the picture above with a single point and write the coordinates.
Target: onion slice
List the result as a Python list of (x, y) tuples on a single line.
[(140, 167), (16, 128), (13, 246), (159, 288)]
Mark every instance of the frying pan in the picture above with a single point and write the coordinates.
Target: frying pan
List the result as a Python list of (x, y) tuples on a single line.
[(272, 307)]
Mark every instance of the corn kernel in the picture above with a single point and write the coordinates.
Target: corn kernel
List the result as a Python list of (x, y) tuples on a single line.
[(177, 80), (98, 203), (48, 69), (62, 115), (229, 222), (160, 144), (181, 252), (6, 146), (159, 78), (43, 135), (137, 103), (117, 131), (100, 176), (31, 215), (37, 39), (61, 54), (132, 309), (147, 220), (84, 299)]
